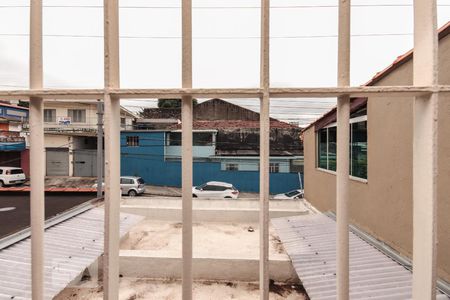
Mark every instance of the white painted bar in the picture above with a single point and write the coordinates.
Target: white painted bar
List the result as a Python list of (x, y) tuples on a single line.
[(264, 150), (292, 92), (343, 128), (37, 154), (186, 157), (425, 151), (112, 151)]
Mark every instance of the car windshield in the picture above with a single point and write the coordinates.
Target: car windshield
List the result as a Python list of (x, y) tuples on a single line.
[(16, 171), (201, 186), (291, 193), (140, 181)]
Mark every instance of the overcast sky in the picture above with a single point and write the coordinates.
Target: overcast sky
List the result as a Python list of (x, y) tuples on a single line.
[(225, 47)]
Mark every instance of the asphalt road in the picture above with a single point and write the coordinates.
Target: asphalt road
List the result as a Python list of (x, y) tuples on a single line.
[(19, 218)]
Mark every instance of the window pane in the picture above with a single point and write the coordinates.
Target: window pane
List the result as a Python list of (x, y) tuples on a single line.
[(359, 150), (332, 148), (322, 155)]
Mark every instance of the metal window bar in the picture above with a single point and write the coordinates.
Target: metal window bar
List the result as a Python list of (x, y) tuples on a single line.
[(425, 91)]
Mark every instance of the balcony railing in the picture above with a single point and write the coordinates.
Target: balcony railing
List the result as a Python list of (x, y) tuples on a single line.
[(425, 89)]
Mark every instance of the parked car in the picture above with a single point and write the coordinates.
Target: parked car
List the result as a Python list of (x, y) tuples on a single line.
[(11, 176), (130, 185), (215, 189), (294, 194)]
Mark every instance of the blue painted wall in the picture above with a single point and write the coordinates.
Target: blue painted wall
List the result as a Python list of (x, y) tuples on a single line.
[(147, 161)]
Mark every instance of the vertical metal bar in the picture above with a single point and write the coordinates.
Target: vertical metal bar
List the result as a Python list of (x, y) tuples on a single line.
[(425, 151), (264, 154), (99, 149), (37, 154), (112, 150), (186, 157), (343, 138)]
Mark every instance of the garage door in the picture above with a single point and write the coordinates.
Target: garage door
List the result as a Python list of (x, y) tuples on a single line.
[(57, 161), (85, 163)]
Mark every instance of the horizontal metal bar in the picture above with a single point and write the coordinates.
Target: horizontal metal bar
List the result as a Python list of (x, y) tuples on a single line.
[(53, 94), (306, 92), (361, 91), (178, 93)]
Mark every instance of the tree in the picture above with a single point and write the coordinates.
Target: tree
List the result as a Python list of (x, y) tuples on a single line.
[(172, 103)]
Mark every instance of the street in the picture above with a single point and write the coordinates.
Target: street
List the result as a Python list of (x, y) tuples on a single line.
[(19, 218)]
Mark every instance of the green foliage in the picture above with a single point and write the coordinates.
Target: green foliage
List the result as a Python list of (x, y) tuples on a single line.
[(172, 103)]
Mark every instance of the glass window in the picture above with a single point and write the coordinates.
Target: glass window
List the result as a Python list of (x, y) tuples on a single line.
[(16, 171), (322, 145), (359, 150), (140, 181), (274, 167), (132, 141), (326, 148), (199, 138), (231, 167), (332, 139), (77, 115), (50, 115)]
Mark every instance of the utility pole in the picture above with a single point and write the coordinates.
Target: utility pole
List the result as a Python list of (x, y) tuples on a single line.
[(99, 149)]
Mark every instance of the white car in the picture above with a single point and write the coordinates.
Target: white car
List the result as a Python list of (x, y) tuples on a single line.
[(294, 194), (130, 185), (11, 176), (215, 189)]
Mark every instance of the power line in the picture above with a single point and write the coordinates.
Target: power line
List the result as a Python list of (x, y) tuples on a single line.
[(218, 7), (211, 37)]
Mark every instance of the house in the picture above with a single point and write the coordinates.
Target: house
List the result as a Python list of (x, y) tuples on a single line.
[(224, 149), (237, 128), (13, 138), (381, 158), (70, 137)]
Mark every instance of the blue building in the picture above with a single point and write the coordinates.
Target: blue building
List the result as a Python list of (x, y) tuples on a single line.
[(155, 155)]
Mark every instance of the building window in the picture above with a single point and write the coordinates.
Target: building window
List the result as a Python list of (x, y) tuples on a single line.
[(132, 141), (49, 115), (198, 139), (231, 167), (77, 115), (326, 147), (274, 167)]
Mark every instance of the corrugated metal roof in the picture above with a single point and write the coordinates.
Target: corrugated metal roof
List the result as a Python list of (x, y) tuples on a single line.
[(310, 242), (70, 247)]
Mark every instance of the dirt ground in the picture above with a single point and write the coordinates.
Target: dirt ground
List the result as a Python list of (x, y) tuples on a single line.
[(221, 239), (134, 289)]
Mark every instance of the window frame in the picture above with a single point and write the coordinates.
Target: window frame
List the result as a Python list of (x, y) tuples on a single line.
[(72, 112), (352, 121), (53, 115)]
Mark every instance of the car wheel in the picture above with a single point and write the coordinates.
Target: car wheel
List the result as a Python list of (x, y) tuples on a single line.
[(227, 197), (194, 196), (132, 193), (1, 183)]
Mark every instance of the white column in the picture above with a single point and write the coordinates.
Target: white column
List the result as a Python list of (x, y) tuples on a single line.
[(112, 151), (425, 151), (186, 158), (37, 154), (264, 153), (342, 172)]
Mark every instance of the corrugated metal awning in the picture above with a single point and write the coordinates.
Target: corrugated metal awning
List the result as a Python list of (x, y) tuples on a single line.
[(70, 247), (310, 242)]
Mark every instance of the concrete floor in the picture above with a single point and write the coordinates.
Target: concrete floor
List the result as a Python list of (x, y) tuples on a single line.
[(131, 288), (209, 239)]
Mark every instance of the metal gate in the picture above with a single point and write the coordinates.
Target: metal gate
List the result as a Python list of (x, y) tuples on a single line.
[(85, 162), (57, 161)]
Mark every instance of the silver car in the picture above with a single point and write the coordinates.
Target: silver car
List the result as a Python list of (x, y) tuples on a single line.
[(130, 185)]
